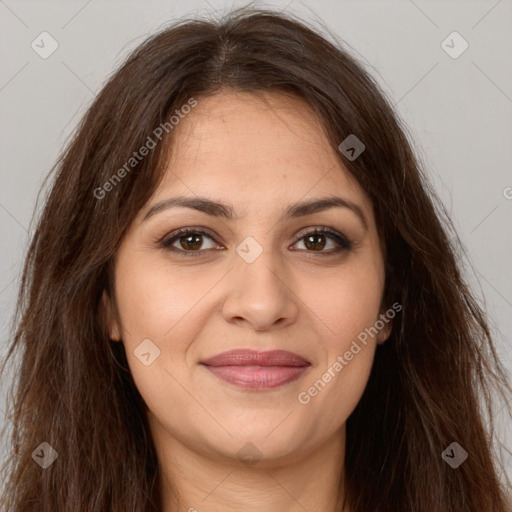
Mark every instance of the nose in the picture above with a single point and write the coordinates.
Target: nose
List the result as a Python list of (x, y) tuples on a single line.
[(260, 294)]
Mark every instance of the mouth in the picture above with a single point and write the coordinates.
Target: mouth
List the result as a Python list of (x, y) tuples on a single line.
[(250, 369)]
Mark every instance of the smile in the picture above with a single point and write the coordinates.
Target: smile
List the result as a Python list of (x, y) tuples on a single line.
[(250, 369), (258, 377)]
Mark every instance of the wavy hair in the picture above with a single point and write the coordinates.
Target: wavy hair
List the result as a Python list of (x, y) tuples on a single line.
[(432, 382)]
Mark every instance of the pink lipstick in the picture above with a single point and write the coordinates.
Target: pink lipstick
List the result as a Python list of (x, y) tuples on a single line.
[(250, 369)]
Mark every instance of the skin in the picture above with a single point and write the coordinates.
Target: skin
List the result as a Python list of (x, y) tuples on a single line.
[(258, 153)]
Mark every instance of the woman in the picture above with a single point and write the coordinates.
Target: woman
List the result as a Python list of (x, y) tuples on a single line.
[(242, 296)]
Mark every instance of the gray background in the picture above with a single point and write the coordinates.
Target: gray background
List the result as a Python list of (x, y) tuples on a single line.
[(458, 111)]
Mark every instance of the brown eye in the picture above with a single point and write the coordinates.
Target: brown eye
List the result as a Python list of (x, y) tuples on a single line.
[(317, 239), (188, 241), (191, 241), (315, 242)]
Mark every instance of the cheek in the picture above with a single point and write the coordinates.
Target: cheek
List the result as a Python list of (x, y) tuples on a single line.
[(153, 302), (347, 302), (153, 306), (346, 314), (168, 308), (334, 389)]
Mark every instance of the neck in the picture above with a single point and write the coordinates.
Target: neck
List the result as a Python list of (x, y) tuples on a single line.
[(192, 482)]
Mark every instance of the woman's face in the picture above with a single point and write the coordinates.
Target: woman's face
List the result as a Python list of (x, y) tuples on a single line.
[(253, 281)]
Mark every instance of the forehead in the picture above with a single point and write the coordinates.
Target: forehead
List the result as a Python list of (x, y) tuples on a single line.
[(240, 146)]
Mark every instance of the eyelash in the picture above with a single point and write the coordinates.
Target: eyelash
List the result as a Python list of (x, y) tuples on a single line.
[(344, 244)]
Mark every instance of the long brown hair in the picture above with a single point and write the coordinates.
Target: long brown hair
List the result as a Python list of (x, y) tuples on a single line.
[(431, 380)]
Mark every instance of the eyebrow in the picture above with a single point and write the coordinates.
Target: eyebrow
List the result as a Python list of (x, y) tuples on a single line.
[(219, 209)]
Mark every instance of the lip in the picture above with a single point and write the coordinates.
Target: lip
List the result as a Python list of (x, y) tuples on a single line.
[(251, 369), (248, 357)]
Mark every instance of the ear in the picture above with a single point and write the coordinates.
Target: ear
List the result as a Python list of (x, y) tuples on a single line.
[(385, 332), (112, 324)]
